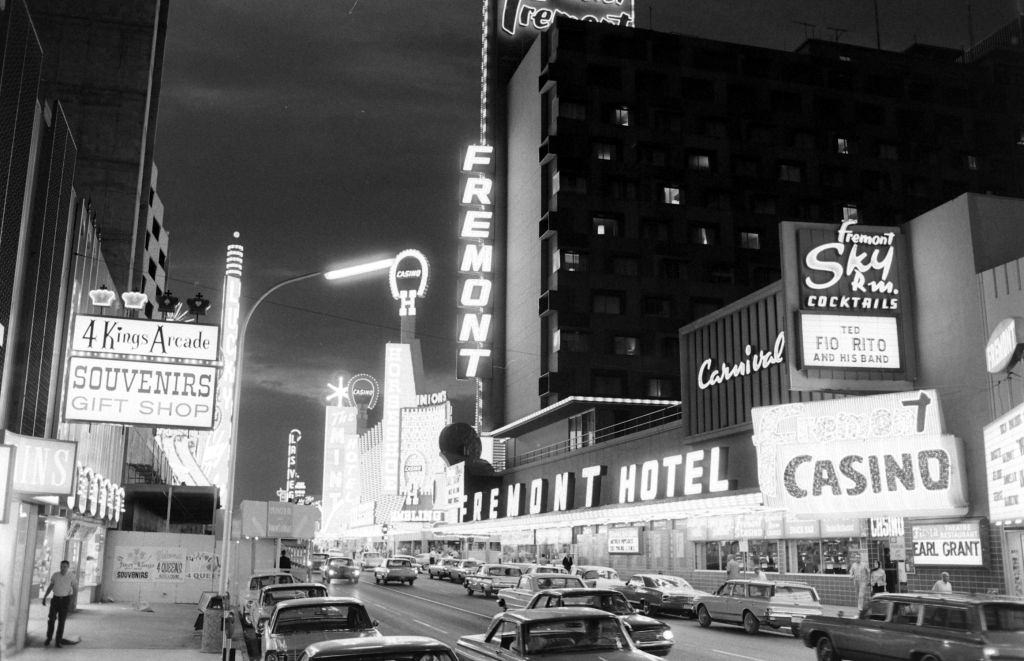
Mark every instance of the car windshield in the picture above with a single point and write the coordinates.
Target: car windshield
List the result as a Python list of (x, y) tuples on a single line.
[(577, 635), (669, 582), (613, 603), (796, 593), (271, 597), (339, 562), (399, 563), (322, 617), (559, 582), (1004, 617), (264, 581)]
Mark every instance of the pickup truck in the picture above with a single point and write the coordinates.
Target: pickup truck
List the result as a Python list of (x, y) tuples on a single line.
[(924, 626), (531, 584)]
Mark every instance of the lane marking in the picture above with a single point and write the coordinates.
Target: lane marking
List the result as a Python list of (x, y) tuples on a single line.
[(430, 626), (738, 656), (439, 603)]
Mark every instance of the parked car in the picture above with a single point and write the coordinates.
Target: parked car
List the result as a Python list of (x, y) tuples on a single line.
[(271, 595), (457, 572), (422, 562), (341, 568), (398, 648), (922, 626), (440, 569), (489, 578), (597, 576), (257, 581), (751, 603), (370, 559), (315, 565), (551, 633), (659, 593), (530, 584), (395, 569), (648, 634), (298, 623), (534, 568)]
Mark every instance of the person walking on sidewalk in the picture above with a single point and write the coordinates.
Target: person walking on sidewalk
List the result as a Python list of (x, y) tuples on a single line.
[(62, 584), (861, 576), (877, 579), (284, 563)]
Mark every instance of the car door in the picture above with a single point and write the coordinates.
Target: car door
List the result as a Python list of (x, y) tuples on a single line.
[(715, 602), (867, 639)]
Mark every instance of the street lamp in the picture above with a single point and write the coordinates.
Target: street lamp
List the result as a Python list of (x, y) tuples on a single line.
[(336, 274)]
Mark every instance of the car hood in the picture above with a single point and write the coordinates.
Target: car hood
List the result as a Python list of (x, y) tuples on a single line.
[(301, 640), (593, 655), (641, 622)]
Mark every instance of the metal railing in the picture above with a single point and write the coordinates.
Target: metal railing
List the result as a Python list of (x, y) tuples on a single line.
[(611, 432)]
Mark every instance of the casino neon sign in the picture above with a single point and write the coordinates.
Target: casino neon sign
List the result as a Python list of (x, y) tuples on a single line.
[(476, 263)]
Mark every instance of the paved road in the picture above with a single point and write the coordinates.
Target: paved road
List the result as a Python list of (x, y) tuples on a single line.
[(444, 611)]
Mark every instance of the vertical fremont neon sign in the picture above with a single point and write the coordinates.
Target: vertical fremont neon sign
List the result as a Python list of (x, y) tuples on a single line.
[(476, 263)]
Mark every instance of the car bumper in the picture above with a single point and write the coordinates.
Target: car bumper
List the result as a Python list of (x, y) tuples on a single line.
[(780, 620)]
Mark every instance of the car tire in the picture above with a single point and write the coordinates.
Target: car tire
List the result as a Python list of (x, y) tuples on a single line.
[(824, 650), (703, 617), (469, 591), (795, 630), (487, 592), (750, 623), (647, 609), (929, 657), (377, 579)]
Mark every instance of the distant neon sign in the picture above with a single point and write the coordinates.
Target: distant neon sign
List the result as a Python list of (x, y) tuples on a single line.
[(539, 15), (476, 263), (408, 281)]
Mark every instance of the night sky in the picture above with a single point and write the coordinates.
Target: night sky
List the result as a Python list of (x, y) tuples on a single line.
[(330, 132)]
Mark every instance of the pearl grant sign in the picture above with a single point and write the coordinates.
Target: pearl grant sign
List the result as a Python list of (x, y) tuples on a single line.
[(886, 455)]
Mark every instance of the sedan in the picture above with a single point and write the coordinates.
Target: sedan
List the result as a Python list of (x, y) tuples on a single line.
[(388, 648), (395, 569), (298, 623), (531, 584), (440, 568), (551, 633), (658, 593), (271, 595), (316, 564), (597, 576), (648, 634), (490, 578), (341, 568), (258, 581), (751, 603), (457, 573)]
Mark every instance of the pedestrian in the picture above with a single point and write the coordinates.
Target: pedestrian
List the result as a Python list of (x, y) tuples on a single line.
[(877, 579), (943, 584), (759, 573), (284, 563), (861, 576), (732, 567), (567, 562), (62, 584)]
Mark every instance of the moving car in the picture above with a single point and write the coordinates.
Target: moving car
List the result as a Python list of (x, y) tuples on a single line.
[(298, 623), (257, 581), (597, 576), (271, 595), (440, 568), (534, 568), (457, 572), (658, 593), (923, 626), (341, 568), (530, 584), (422, 562), (395, 569), (370, 560), (489, 578), (648, 634), (315, 564), (387, 648), (751, 603), (551, 633)]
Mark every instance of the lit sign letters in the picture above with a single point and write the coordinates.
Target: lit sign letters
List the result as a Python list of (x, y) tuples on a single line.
[(96, 496), (408, 284), (539, 15), (476, 264), (833, 340), (144, 338), (752, 361), (43, 466), (862, 260), (1003, 348)]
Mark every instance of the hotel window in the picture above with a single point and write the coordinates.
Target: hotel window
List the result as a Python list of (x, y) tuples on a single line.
[(572, 341), (572, 110), (790, 172), (658, 387), (672, 269), (763, 205), (581, 430), (621, 115), (656, 307), (608, 303), (715, 199), (701, 162), (671, 195), (704, 235), (604, 226), (627, 266), (650, 155), (850, 212), (623, 345), (750, 240), (655, 230), (604, 151), (556, 182), (1020, 137), (972, 162), (574, 260), (608, 385), (572, 183), (842, 146)]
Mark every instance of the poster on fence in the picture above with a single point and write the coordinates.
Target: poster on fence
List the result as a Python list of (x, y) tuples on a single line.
[(202, 566), (149, 563)]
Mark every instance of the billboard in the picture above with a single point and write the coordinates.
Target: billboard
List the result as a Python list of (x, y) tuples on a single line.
[(341, 483), (144, 338), (1004, 465), (136, 392)]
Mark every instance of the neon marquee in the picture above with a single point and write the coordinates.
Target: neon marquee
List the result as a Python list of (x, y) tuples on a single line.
[(476, 263)]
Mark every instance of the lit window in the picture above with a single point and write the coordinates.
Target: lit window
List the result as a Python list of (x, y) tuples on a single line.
[(574, 260), (850, 212), (1020, 137), (606, 226), (625, 346), (671, 195), (789, 172), (699, 162), (842, 146), (608, 303), (556, 182), (622, 116), (972, 162), (750, 240), (660, 388), (604, 151), (704, 235)]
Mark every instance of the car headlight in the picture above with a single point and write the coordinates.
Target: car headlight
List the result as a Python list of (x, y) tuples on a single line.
[(355, 572), (271, 656), (667, 634)]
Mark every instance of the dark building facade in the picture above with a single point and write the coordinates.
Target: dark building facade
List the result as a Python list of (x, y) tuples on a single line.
[(646, 175)]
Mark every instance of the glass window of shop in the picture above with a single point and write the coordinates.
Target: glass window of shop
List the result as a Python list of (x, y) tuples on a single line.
[(802, 556)]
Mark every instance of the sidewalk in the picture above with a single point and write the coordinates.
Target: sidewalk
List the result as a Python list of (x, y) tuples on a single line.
[(119, 632)]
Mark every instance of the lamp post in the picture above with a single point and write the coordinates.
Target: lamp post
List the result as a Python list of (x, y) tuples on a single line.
[(336, 274)]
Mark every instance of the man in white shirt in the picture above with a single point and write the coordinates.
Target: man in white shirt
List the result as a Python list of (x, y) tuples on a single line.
[(943, 584), (62, 584)]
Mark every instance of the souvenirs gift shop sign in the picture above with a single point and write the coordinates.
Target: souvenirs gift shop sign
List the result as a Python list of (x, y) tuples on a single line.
[(847, 306), (860, 456), (141, 372)]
